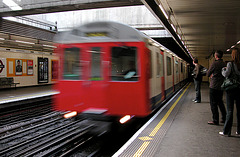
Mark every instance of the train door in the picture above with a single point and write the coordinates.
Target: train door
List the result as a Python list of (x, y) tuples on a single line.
[(168, 74), (129, 85), (173, 74), (176, 73), (95, 84), (162, 74), (83, 83)]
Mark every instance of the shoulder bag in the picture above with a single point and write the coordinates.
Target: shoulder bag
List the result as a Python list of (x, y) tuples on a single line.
[(203, 71), (232, 81)]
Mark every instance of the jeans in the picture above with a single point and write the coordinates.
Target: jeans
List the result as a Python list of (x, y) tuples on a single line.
[(232, 95), (215, 102), (197, 84)]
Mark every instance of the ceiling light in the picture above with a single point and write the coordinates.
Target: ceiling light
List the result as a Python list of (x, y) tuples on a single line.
[(50, 46), (163, 11), (179, 37), (173, 27), (12, 5), (183, 43), (25, 42)]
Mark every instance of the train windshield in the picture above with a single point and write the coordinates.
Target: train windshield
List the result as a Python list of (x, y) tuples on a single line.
[(71, 69), (124, 64)]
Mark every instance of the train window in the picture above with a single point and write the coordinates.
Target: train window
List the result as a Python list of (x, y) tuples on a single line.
[(158, 65), (169, 66), (72, 69), (96, 64), (181, 67), (124, 64), (176, 63)]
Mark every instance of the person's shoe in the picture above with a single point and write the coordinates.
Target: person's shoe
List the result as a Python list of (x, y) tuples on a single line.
[(196, 101), (237, 134), (222, 134), (222, 121), (212, 123)]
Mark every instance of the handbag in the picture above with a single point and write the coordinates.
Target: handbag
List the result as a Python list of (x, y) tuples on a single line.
[(232, 81), (204, 71)]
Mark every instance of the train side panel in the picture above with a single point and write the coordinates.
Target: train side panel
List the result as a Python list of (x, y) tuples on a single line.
[(156, 77)]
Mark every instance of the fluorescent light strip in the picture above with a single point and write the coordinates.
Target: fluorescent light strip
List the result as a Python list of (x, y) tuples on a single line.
[(50, 46), (183, 43), (179, 37), (173, 28), (12, 5), (24, 42), (163, 11)]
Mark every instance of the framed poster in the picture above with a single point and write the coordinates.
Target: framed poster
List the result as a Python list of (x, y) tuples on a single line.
[(2, 67), (42, 70), (18, 65), (30, 67)]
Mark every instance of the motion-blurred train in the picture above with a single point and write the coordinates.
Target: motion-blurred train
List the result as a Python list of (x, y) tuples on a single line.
[(108, 69)]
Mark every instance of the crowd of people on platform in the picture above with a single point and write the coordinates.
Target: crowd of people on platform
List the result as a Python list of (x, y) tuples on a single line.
[(218, 72)]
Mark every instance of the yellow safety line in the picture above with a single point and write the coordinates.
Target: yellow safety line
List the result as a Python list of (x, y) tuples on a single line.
[(141, 149), (155, 130)]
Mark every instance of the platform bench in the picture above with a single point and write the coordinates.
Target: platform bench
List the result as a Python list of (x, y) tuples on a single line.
[(7, 82)]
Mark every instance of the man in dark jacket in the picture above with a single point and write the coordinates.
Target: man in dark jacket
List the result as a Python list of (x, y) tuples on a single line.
[(197, 80), (216, 94)]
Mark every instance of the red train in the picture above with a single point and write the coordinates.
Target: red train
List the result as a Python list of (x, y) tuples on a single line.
[(113, 70)]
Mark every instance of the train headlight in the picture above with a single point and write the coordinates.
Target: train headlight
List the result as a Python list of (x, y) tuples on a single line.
[(125, 119), (70, 114)]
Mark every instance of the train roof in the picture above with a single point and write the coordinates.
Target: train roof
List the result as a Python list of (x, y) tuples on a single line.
[(104, 31)]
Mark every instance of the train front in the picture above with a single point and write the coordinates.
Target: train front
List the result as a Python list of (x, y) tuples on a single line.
[(103, 71)]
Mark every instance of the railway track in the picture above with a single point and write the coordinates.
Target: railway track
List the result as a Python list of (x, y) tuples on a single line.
[(26, 109), (50, 135), (33, 129)]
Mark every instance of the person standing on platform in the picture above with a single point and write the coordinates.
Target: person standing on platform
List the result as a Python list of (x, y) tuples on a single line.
[(233, 94), (216, 94), (197, 77)]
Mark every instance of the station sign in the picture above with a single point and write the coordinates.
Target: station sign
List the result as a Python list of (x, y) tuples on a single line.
[(3, 67)]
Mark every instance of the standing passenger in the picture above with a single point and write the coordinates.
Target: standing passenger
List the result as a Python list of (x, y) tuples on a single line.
[(197, 80), (233, 94), (216, 94)]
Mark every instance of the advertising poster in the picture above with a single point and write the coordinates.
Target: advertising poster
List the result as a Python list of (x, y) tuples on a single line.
[(30, 67), (2, 67), (54, 70), (42, 70), (18, 63)]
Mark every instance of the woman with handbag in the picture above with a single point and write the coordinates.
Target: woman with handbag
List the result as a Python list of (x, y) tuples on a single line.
[(233, 68)]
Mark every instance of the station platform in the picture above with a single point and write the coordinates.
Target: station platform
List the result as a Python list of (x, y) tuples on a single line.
[(23, 93), (180, 129)]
